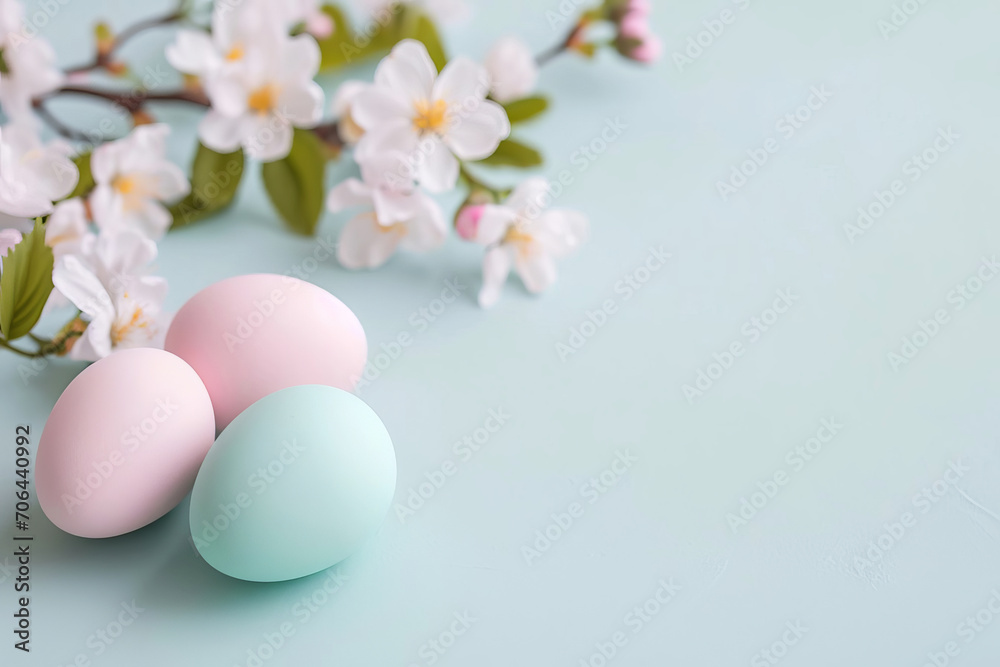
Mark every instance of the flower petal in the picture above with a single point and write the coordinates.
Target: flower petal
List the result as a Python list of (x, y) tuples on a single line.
[(512, 69), (408, 70), (267, 138), (301, 105), (462, 82), (107, 207), (494, 223), (530, 197), (228, 93), (300, 58), (437, 168), (561, 231), (193, 52), (377, 106), (496, 267), (351, 192), (364, 243), (537, 271), (79, 284), (220, 133), (427, 228), (476, 134)]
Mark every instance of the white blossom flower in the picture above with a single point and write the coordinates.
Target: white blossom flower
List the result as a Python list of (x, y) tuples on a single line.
[(401, 215), (522, 234), (132, 179), (32, 174), (433, 119), (512, 69), (257, 104), (27, 63), (121, 304), (236, 30)]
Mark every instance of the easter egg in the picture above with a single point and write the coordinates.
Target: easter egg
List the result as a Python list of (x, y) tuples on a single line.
[(250, 336), (123, 443), (296, 483)]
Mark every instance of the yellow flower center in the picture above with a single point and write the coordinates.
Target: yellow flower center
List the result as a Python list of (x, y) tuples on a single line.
[(125, 185), (263, 99), (430, 116), (517, 236), (397, 228), (520, 239), (235, 53), (120, 330)]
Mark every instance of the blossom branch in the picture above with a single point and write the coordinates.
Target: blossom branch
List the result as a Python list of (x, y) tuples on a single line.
[(105, 54), (570, 42)]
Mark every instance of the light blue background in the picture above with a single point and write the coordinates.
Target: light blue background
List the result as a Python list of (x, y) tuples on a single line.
[(667, 517)]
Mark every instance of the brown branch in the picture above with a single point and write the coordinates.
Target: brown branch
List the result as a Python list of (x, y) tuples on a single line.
[(105, 57), (134, 100), (566, 44)]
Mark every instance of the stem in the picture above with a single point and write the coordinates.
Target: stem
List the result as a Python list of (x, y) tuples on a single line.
[(64, 130), (24, 353), (103, 59), (474, 182), (329, 134), (134, 100), (549, 54)]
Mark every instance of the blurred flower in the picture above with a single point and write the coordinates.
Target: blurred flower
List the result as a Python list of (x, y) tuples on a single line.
[(401, 216), (122, 305), (32, 174), (27, 64), (512, 70), (133, 178), (348, 129), (467, 221), (236, 30), (432, 119), (521, 234), (257, 104)]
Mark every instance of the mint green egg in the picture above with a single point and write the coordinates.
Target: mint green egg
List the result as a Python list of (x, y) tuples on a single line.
[(297, 482)]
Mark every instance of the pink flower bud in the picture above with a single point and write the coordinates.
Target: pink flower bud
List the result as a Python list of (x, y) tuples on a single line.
[(640, 7), (634, 26), (467, 222), (649, 51)]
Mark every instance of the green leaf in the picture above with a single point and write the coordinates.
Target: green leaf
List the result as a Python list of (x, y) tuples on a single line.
[(512, 153), (519, 111), (336, 49), (422, 28), (86, 181), (25, 283), (295, 182), (215, 177)]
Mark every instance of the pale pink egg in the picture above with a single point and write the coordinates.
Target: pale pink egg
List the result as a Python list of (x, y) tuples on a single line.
[(249, 336), (123, 443)]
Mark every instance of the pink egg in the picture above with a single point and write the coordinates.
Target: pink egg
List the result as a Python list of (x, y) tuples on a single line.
[(123, 443), (250, 336)]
